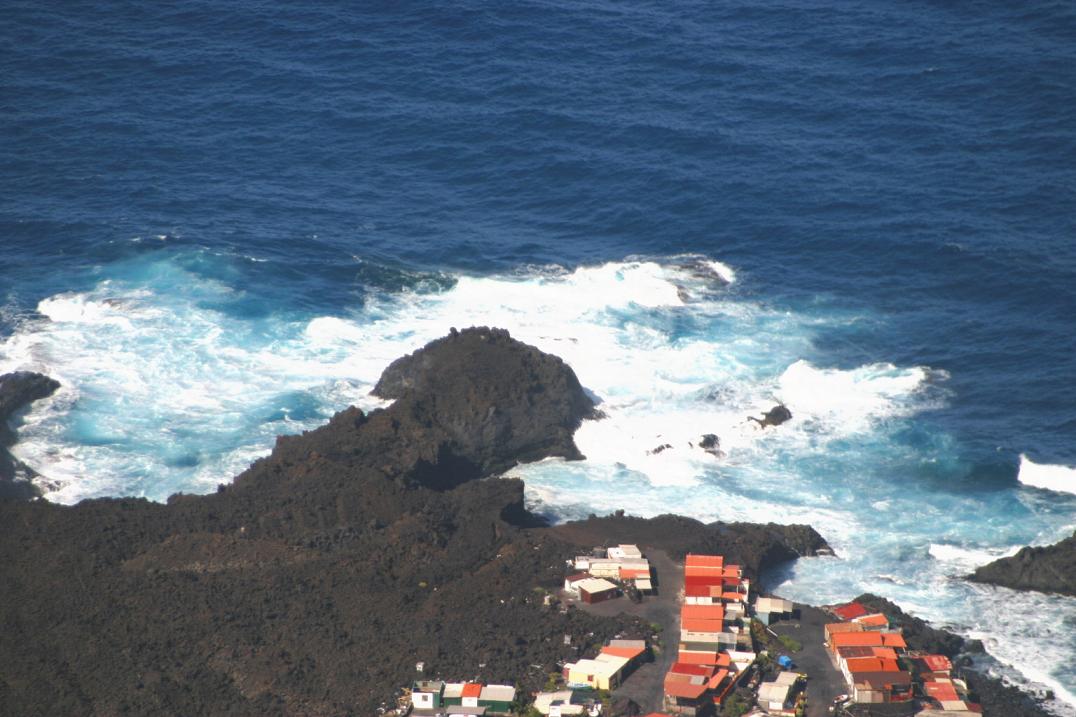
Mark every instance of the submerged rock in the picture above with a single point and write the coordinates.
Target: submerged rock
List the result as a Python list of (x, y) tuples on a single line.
[(773, 417), (712, 445), (1046, 569)]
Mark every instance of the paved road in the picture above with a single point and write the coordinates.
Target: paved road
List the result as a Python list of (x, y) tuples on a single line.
[(824, 682), (646, 685)]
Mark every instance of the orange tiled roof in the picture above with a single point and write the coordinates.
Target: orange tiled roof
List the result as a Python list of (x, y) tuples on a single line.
[(849, 611), (876, 620), (835, 628), (871, 664), (628, 652), (941, 691), (704, 561), (867, 639), (696, 624)]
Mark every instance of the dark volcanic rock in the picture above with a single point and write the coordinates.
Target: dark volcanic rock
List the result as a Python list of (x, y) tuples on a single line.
[(496, 400), (18, 390), (773, 417), (919, 633), (711, 444), (314, 583), (998, 698), (1046, 569), (752, 545)]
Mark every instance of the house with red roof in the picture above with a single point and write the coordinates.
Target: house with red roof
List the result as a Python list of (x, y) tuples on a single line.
[(850, 611), (876, 621), (715, 595)]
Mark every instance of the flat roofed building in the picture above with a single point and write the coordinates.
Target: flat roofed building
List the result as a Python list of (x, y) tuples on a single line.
[(837, 628), (471, 692), (450, 711), (938, 664), (769, 609), (850, 610), (877, 621), (625, 551), (687, 689), (773, 696), (698, 625), (605, 568), (875, 687), (497, 698), (595, 590), (695, 560), (867, 639), (427, 694), (704, 612), (631, 653), (598, 674), (941, 691), (571, 583)]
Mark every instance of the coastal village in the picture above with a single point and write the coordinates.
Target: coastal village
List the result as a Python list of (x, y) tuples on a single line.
[(727, 652)]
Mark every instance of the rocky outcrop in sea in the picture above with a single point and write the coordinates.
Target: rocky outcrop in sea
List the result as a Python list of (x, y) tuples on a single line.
[(1047, 569)]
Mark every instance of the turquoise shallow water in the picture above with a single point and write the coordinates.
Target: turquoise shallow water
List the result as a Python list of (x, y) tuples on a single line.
[(219, 224)]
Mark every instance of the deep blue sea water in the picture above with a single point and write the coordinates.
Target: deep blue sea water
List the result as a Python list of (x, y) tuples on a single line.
[(218, 222)]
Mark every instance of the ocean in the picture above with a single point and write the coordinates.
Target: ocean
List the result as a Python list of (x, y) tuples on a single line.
[(220, 222)]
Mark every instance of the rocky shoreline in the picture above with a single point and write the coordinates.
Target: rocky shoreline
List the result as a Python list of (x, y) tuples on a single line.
[(17, 391), (1049, 569), (994, 694), (316, 580)]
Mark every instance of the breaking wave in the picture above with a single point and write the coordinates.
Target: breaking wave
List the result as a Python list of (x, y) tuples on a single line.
[(1061, 479)]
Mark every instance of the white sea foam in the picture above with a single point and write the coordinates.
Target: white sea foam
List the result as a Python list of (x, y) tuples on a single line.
[(967, 559), (1061, 479)]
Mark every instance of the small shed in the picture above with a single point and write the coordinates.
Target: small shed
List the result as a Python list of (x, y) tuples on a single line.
[(427, 693), (770, 609), (497, 698), (571, 583), (596, 590), (625, 551)]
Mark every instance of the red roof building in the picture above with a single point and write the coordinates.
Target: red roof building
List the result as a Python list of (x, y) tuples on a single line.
[(850, 611), (629, 652), (701, 657), (704, 612), (703, 561), (877, 621), (871, 664), (694, 624), (936, 663), (867, 639), (941, 691), (471, 689)]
